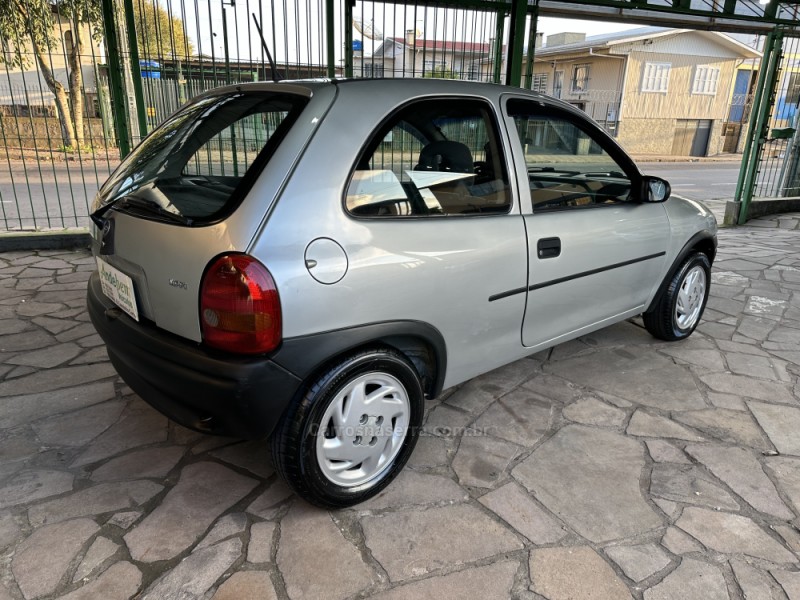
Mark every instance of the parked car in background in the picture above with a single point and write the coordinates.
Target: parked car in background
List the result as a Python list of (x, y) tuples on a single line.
[(311, 260)]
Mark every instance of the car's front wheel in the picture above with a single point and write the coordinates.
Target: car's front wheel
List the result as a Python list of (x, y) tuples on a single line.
[(677, 312), (352, 431)]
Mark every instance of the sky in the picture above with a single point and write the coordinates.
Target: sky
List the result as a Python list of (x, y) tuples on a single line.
[(550, 25), (295, 31)]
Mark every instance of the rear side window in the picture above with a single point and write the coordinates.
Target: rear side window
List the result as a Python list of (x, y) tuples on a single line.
[(199, 163), (432, 158)]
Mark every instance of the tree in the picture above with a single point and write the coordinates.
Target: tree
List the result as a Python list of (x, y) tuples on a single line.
[(159, 33), (34, 24)]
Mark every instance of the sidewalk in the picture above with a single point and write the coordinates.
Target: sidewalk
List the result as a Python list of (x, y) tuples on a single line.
[(614, 466), (651, 158)]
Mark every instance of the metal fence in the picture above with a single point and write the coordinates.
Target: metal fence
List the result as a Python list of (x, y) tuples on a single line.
[(67, 115), (83, 81)]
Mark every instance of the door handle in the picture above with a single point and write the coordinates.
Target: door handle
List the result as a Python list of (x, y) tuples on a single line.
[(548, 247)]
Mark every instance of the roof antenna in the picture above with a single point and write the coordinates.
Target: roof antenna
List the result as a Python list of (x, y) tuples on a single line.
[(264, 45)]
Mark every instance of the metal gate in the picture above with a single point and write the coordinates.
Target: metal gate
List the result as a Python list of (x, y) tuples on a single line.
[(779, 172)]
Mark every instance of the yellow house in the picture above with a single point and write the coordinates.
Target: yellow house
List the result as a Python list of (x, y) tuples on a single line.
[(659, 91)]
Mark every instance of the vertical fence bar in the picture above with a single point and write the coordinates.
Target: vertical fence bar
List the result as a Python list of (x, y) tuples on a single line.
[(756, 136), (330, 39), (348, 37), (498, 45), (118, 98), (534, 22), (133, 51), (516, 43)]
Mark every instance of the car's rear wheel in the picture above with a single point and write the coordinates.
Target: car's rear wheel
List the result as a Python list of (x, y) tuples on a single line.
[(352, 431), (677, 312)]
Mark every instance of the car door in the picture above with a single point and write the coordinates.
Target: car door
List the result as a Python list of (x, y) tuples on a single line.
[(430, 226), (595, 250)]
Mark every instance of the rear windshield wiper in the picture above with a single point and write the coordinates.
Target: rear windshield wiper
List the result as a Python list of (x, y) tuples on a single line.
[(134, 202), (149, 206)]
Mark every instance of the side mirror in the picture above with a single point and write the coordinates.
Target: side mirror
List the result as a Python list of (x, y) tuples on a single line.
[(656, 189)]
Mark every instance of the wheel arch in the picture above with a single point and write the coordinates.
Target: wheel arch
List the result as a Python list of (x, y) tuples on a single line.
[(704, 242), (422, 344)]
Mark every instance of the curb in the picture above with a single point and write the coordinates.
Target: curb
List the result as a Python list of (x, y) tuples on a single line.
[(759, 208), (70, 239)]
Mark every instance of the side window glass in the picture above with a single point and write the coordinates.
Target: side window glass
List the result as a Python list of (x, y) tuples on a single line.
[(567, 168), (432, 158)]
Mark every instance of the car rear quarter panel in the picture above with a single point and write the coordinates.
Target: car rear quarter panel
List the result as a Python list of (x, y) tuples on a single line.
[(437, 270), (154, 252)]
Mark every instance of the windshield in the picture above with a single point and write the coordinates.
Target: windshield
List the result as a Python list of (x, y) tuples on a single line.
[(199, 163)]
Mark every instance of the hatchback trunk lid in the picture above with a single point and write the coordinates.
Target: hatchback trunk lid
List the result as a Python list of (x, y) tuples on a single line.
[(200, 185)]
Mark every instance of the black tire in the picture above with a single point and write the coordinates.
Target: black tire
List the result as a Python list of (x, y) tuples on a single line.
[(661, 320), (294, 442)]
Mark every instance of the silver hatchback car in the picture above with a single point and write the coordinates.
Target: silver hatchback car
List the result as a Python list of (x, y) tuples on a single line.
[(310, 260)]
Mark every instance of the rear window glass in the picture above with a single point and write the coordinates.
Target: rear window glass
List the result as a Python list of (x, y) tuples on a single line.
[(197, 164)]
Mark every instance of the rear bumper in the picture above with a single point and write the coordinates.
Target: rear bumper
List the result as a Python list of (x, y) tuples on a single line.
[(235, 396)]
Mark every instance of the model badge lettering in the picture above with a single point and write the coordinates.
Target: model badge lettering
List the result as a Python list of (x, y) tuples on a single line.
[(178, 284)]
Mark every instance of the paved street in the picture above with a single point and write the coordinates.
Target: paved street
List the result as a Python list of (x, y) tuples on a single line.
[(712, 182), (611, 467)]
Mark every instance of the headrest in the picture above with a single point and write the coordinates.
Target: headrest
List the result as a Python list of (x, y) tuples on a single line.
[(446, 156)]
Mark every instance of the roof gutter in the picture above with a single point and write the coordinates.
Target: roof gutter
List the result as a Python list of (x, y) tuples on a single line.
[(593, 53)]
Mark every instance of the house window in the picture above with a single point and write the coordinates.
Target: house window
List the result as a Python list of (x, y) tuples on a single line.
[(558, 84), (539, 83), (580, 79), (373, 69), (656, 77), (706, 80)]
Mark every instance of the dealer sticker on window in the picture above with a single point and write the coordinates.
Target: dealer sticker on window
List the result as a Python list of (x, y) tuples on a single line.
[(118, 287)]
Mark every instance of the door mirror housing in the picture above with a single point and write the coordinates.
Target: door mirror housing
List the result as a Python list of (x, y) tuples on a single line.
[(656, 189)]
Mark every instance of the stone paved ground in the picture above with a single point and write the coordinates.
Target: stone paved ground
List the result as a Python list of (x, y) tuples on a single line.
[(615, 466)]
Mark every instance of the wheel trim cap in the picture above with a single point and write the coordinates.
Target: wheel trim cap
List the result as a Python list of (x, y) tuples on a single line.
[(363, 429), (691, 296)]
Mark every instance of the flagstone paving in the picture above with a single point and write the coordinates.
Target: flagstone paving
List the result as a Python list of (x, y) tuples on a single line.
[(613, 466)]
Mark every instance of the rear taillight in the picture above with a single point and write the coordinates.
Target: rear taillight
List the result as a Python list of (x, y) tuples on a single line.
[(239, 306)]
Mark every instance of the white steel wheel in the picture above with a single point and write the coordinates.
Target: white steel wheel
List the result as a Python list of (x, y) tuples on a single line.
[(679, 305), (691, 298), (363, 429), (353, 430)]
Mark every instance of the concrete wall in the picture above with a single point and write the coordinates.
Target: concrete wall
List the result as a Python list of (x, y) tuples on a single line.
[(646, 135), (655, 136), (44, 133)]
